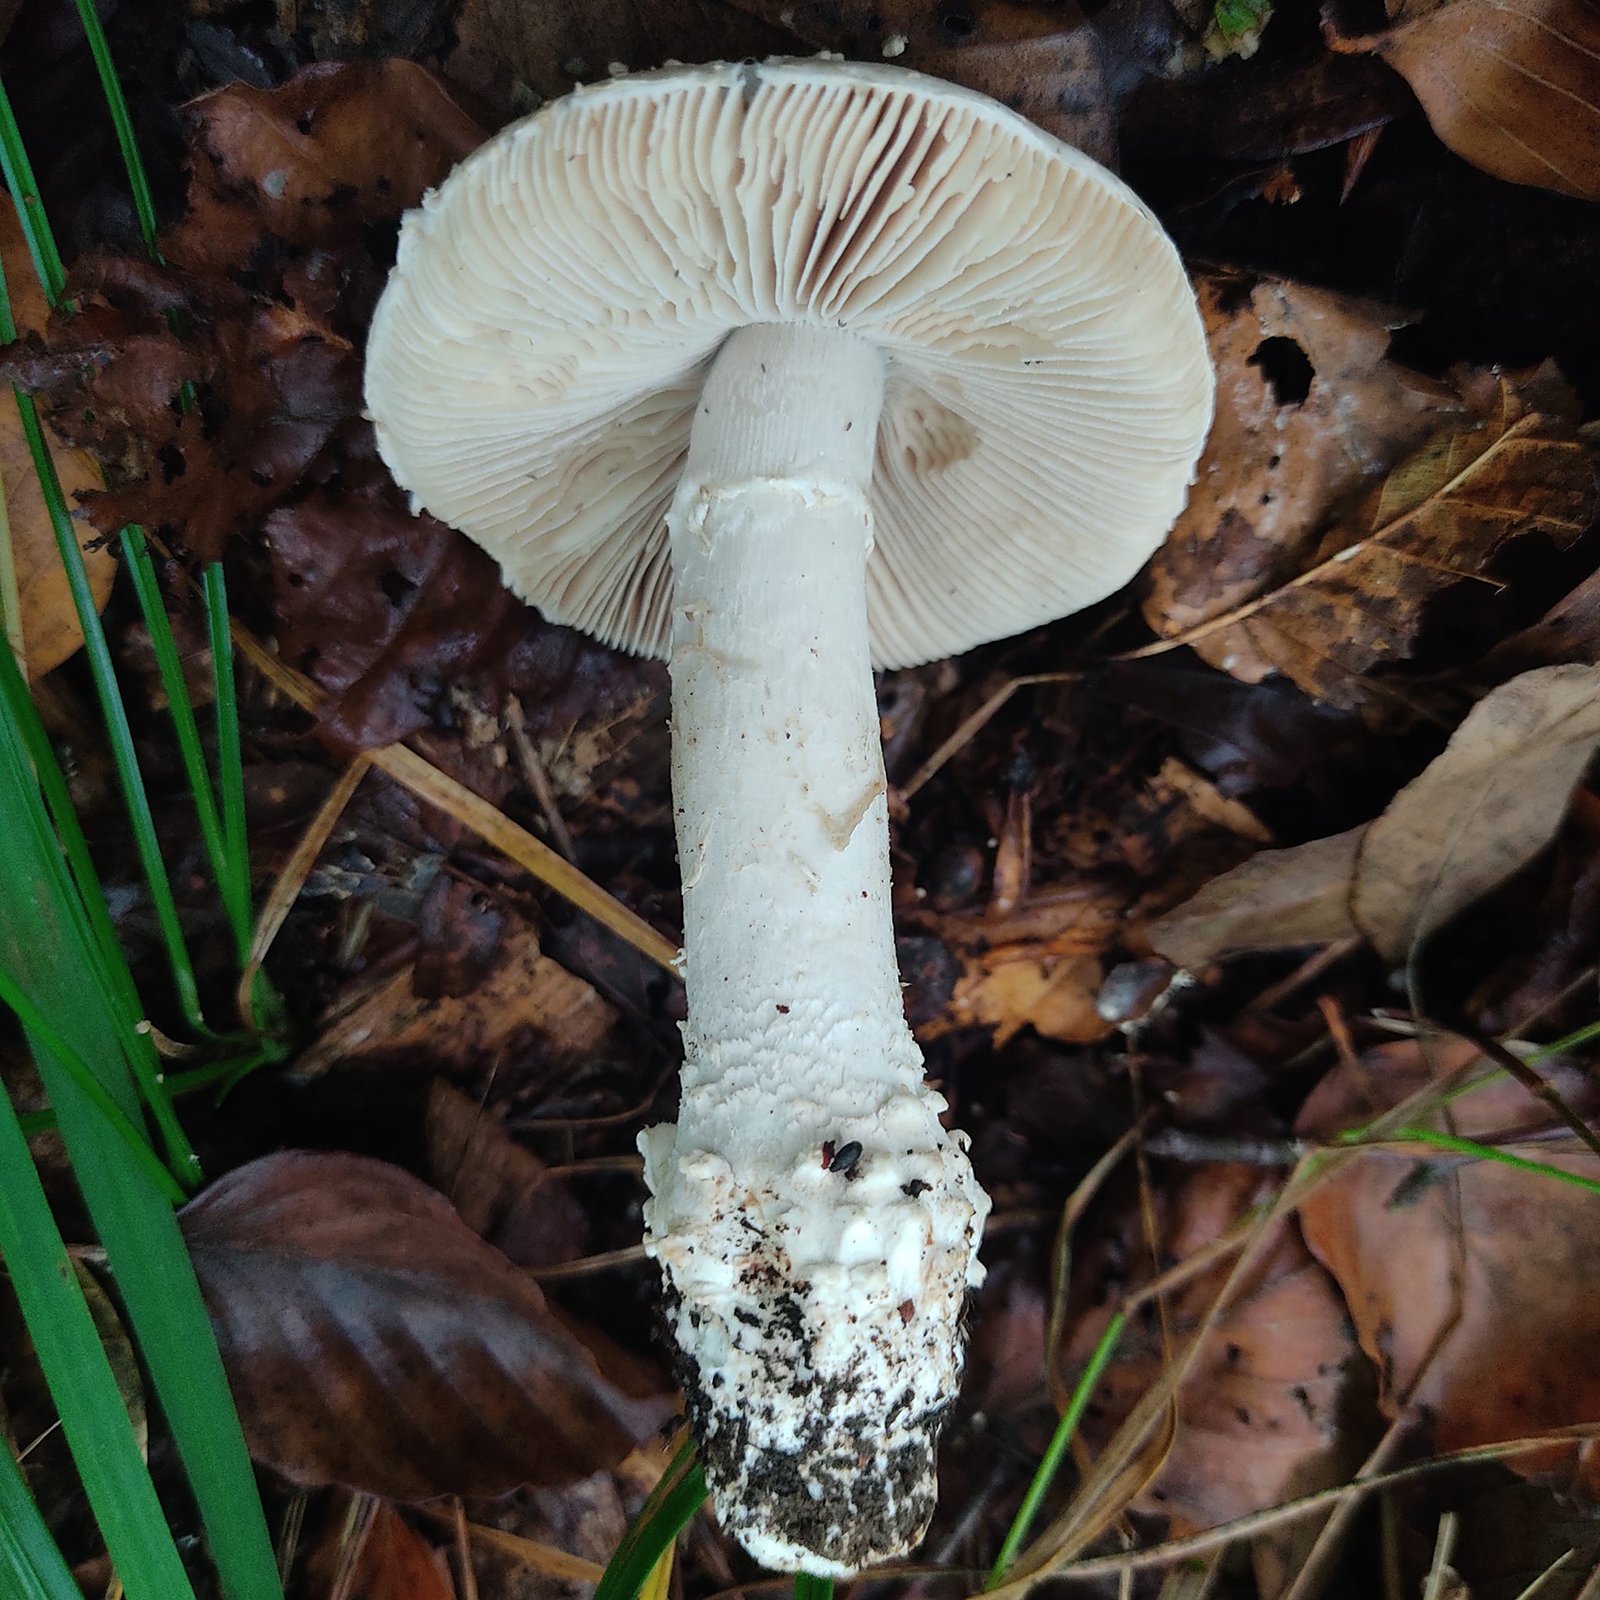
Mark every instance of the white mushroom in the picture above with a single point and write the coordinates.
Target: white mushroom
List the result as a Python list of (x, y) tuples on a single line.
[(784, 371)]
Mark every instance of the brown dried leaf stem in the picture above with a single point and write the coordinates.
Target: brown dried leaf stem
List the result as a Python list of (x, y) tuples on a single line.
[(291, 880), (427, 782), (1160, 1555)]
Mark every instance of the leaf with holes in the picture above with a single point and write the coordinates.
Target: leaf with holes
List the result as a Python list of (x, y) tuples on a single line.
[(1309, 411), (372, 1339), (1518, 467)]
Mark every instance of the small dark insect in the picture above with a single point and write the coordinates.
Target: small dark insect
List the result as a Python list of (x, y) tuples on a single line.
[(845, 1158), (914, 1188)]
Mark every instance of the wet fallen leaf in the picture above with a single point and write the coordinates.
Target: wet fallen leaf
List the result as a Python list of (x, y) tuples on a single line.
[(373, 1340), (1472, 1285), (500, 1188), (1260, 1416), (1486, 806), (528, 1003), (51, 633), (1254, 578), (516, 55), (1275, 901), (1511, 85)]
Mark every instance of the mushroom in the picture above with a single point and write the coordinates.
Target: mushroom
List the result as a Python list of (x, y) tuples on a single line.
[(785, 371)]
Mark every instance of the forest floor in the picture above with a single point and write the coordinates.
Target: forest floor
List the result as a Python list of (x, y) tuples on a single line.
[(1233, 914)]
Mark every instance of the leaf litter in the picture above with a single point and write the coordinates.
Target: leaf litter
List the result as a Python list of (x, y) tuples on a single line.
[(1335, 757)]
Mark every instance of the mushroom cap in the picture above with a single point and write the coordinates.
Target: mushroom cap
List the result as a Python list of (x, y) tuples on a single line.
[(535, 361)]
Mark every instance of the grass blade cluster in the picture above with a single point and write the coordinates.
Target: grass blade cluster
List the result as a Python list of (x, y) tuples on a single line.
[(65, 977)]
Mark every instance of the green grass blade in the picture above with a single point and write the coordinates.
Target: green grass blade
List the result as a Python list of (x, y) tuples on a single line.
[(230, 759), (30, 1562), (136, 556), (122, 123), (47, 949), (1488, 1152), (82, 1385), (135, 797), (1584, 1035), (1055, 1452), (663, 1517), (107, 969), (809, 1587), (25, 193), (133, 1141)]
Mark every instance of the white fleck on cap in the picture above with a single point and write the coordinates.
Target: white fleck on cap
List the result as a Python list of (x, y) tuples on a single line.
[(535, 364)]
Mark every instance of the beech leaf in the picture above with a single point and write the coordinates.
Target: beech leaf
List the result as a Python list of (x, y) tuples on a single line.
[(1439, 520), (1472, 1285), (1513, 86), (373, 1340), (1310, 410), (1490, 802), (1276, 900)]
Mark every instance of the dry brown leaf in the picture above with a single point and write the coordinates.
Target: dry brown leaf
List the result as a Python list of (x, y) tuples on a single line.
[(1259, 1415), (1039, 967), (1473, 1286), (1309, 410), (50, 630), (1440, 519), (372, 1339), (1513, 86), (1276, 900), (1490, 802), (528, 1001)]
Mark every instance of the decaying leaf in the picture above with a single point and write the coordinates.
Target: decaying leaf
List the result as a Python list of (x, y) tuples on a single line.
[(1309, 411), (50, 630), (1253, 576), (1487, 805), (1473, 1285), (527, 1001), (372, 1339), (1484, 808), (397, 1563), (1513, 86), (1038, 967), (1274, 901), (341, 145), (500, 1188), (1259, 1418)]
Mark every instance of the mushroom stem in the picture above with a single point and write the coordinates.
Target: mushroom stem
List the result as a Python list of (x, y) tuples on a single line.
[(816, 1224)]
